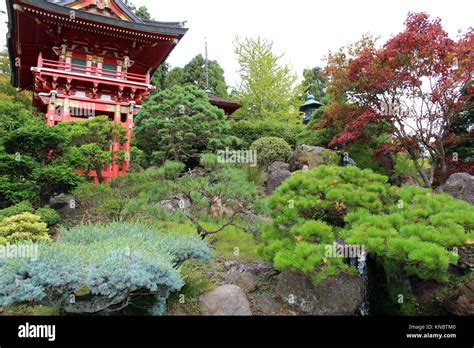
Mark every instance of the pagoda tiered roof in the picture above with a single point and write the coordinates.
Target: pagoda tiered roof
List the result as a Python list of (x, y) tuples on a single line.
[(35, 26)]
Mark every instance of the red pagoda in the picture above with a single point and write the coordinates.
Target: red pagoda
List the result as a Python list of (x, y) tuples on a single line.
[(86, 58)]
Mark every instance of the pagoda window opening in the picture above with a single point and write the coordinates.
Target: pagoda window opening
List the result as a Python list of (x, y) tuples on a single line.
[(107, 97), (77, 65), (110, 70)]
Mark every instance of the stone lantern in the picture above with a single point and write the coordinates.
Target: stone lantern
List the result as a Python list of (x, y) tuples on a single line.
[(309, 107)]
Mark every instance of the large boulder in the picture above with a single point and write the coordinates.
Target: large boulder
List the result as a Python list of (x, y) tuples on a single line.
[(337, 295), (276, 173), (63, 203), (225, 300), (459, 185), (307, 156), (278, 166), (466, 257)]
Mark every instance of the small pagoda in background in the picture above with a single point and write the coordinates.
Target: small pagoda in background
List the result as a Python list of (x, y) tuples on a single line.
[(309, 107), (85, 58)]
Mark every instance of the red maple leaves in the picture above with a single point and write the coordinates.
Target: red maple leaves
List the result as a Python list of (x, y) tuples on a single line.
[(415, 85)]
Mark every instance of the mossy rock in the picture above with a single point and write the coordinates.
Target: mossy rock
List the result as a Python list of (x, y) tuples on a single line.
[(82, 291), (311, 157)]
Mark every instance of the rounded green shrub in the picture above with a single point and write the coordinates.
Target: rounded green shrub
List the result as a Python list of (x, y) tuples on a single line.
[(23, 227), (48, 215), (307, 210), (22, 207), (271, 149)]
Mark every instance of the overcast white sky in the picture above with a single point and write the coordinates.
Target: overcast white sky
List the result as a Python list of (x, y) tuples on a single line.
[(303, 30)]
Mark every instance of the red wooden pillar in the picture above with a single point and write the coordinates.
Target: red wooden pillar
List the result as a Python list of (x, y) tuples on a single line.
[(126, 146), (66, 113), (51, 112), (115, 144)]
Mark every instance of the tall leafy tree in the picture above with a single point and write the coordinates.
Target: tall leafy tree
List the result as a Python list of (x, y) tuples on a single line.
[(195, 73), (411, 88), (35, 140), (175, 77), (160, 75), (315, 82), (141, 11), (28, 171), (267, 89)]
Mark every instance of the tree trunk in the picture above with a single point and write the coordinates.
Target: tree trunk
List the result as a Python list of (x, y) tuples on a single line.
[(420, 171), (442, 161), (98, 170)]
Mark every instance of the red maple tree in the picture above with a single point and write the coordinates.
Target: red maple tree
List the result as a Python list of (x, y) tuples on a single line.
[(413, 87)]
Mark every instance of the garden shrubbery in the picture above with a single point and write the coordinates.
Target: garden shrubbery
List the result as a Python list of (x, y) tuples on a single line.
[(410, 229), (50, 216), (23, 227), (271, 149), (327, 193), (22, 207), (178, 124), (294, 134), (144, 195), (308, 206), (249, 131), (103, 268), (419, 234)]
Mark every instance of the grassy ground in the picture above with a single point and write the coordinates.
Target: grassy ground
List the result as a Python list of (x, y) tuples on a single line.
[(31, 310)]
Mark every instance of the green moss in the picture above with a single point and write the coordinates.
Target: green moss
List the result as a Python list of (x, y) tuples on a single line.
[(233, 244), (405, 301), (38, 310), (83, 290)]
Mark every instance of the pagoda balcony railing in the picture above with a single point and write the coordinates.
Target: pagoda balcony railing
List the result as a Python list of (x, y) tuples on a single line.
[(95, 73)]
